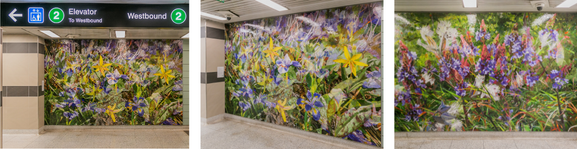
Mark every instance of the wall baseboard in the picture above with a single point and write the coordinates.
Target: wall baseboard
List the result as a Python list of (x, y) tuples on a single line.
[(214, 119), (485, 134), (115, 128), (309, 135)]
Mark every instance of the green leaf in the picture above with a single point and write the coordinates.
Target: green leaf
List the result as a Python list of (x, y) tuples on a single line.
[(332, 108), (351, 121)]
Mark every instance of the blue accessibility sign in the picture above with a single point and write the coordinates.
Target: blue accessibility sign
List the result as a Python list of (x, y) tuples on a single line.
[(35, 15)]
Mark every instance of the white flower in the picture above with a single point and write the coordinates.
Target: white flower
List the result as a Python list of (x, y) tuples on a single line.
[(560, 54), (308, 21), (519, 80), (456, 125), (472, 19), (540, 20), (428, 78), (446, 33), (479, 81), (494, 90), (400, 19), (427, 36), (455, 108)]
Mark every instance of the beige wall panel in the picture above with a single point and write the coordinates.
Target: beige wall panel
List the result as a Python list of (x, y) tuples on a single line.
[(23, 113), (40, 111), (40, 69), (202, 54), (214, 99), (202, 101), (20, 69), (214, 54), (20, 39), (214, 24)]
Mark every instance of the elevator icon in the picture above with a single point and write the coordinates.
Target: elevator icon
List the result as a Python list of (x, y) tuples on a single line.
[(35, 15)]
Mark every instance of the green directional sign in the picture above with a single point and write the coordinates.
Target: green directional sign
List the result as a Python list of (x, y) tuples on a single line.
[(56, 15), (178, 16)]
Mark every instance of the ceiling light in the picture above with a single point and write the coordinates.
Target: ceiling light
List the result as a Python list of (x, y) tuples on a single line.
[(50, 33), (185, 36), (120, 34), (273, 5), (211, 16), (470, 3), (567, 4)]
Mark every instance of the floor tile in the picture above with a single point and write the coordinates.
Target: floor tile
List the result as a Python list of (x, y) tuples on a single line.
[(16, 144), (562, 144), (499, 144), (532, 144), (408, 144), (436, 144), (467, 144)]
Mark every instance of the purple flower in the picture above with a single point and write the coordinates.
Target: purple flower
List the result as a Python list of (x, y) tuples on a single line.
[(284, 64), (113, 77), (460, 89), (69, 115), (89, 107), (358, 136), (169, 121), (373, 80), (177, 86), (244, 106)]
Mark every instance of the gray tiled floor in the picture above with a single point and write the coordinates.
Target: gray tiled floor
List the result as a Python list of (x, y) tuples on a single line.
[(497, 143), (232, 134), (99, 139)]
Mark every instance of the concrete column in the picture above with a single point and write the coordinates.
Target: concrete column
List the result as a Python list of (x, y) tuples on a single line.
[(23, 72), (212, 87), (185, 78), (1, 117)]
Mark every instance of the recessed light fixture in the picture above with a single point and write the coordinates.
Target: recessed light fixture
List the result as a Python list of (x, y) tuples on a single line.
[(50, 33), (120, 34), (185, 36), (470, 3), (212, 16), (567, 4), (273, 5)]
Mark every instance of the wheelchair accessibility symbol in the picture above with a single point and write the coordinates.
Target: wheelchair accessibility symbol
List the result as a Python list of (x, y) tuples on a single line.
[(35, 15)]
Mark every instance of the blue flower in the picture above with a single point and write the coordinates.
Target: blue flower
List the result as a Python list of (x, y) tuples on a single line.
[(177, 86), (89, 107), (284, 64), (358, 136), (373, 80), (244, 106), (311, 104), (169, 121), (113, 77), (69, 115)]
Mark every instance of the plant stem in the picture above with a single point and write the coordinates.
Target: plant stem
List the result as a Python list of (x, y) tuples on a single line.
[(560, 111)]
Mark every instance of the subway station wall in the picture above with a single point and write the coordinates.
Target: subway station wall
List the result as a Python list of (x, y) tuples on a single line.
[(485, 72), (317, 71), (113, 82)]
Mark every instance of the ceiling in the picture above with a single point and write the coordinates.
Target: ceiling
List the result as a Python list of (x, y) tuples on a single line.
[(251, 9), (482, 6), (101, 33), (101, 1)]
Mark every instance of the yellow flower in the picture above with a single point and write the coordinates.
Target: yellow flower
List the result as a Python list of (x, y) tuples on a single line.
[(281, 108), (94, 91), (272, 50), (101, 66), (110, 111), (164, 74), (351, 61)]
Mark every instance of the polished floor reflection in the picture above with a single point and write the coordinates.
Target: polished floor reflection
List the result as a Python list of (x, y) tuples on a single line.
[(233, 134), (99, 139)]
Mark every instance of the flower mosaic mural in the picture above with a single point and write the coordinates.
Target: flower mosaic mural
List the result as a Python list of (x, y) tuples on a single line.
[(485, 72), (318, 71), (113, 82)]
